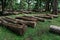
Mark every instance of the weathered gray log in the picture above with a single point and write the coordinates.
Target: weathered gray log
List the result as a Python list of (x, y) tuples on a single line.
[(39, 19), (54, 28), (47, 17), (17, 21), (19, 29), (27, 19)]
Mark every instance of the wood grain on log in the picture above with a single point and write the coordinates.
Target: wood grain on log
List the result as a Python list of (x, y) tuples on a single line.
[(19, 29)]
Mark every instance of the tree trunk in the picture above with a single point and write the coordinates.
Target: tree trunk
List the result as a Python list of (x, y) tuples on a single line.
[(47, 5), (55, 7)]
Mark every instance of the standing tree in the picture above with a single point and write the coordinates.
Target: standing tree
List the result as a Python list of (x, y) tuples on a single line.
[(54, 7), (47, 8)]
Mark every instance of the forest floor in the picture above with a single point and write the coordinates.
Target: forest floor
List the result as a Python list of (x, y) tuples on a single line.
[(40, 32)]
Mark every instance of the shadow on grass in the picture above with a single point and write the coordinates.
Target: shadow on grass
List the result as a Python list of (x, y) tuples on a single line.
[(29, 38), (56, 33), (11, 31)]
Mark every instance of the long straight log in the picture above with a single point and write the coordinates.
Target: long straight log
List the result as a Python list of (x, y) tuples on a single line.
[(55, 16), (27, 19), (17, 21), (19, 29), (47, 17), (39, 19), (54, 28)]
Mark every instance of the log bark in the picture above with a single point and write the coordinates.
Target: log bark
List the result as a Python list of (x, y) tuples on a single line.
[(25, 11), (17, 21), (39, 19), (47, 17), (55, 16), (54, 28), (19, 29), (27, 19)]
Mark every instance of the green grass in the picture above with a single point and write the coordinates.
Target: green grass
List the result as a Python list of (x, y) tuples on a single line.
[(40, 32)]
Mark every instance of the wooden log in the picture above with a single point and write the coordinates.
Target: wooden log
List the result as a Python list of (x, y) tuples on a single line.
[(54, 29), (47, 17), (15, 13), (19, 29), (11, 20), (27, 12), (17, 21), (39, 19), (27, 19), (55, 16)]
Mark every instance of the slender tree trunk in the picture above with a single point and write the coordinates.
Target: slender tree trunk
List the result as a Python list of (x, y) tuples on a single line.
[(47, 5), (54, 7), (2, 6)]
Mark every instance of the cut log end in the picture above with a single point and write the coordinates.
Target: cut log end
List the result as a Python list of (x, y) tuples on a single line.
[(55, 29), (32, 24)]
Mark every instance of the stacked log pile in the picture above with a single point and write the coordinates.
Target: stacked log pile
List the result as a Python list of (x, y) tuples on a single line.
[(17, 21), (17, 28), (16, 25), (19, 24)]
